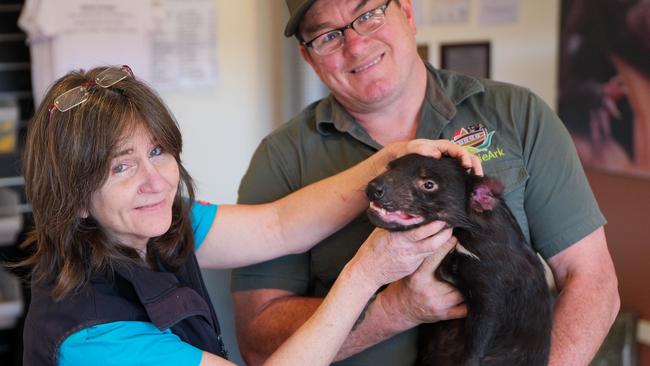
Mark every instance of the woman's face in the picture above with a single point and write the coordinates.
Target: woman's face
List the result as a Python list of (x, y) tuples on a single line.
[(135, 202)]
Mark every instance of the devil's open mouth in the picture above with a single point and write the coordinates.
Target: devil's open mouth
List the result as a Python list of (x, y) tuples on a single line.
[(395, 217)]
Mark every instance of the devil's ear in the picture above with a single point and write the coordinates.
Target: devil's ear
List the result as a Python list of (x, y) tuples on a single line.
[(485, 194)]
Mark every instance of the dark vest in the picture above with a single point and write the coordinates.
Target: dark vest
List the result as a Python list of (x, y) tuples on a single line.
[(178, 301)]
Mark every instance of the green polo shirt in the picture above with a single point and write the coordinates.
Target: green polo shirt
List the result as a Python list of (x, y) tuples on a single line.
[(518, 137)]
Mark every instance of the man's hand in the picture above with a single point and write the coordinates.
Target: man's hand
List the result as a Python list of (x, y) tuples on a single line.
[(389, 256), (421, 297)]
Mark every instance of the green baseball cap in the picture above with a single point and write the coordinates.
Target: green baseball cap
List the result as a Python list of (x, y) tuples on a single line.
[(297, 9)]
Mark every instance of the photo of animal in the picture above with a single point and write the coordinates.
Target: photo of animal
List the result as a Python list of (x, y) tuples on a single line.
[(501, 278)]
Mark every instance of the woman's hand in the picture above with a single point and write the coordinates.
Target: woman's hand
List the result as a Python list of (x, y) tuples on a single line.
[(386, 256), (433, 148)]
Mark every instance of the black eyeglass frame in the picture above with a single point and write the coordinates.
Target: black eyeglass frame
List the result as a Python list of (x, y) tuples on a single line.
[(373, 12)]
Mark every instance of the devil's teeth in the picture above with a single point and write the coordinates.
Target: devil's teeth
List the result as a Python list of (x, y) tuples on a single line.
[(378, 208)]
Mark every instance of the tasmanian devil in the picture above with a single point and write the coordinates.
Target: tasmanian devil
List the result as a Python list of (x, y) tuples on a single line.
[(509, 304)]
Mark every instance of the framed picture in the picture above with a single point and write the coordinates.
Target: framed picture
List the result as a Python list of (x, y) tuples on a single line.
[(467, 58), (604, 68)]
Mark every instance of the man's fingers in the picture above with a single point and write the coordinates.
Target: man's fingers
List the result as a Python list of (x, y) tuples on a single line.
[(432, 262), (454, 297), (456, 312)]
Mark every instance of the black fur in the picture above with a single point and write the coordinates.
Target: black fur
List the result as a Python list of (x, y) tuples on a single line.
[(509, 304)]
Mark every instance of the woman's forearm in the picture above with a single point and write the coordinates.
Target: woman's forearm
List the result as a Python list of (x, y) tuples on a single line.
[(246, 234), (319, 339)]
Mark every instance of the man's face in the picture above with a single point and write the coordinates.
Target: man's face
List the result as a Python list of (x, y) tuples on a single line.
[(367, 71)]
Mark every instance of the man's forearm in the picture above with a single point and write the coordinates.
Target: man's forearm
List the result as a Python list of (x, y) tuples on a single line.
[(272, 326), (584, 313), (279, 320), (375, 326)]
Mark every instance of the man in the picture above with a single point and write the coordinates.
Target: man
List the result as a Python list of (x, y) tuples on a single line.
[(381, 92)]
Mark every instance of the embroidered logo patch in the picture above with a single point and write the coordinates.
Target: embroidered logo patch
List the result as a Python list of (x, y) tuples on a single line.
[(477, 140), (474, 138)]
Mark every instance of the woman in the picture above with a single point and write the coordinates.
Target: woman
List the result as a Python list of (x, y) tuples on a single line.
[(115, 278)]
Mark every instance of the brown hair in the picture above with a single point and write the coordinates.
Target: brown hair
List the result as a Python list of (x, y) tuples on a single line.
[(66, 159)]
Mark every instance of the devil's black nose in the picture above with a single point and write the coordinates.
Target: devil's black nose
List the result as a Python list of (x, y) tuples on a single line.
[(375, 191)]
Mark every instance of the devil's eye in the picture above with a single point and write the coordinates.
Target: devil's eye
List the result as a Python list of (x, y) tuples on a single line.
[(428, 185)]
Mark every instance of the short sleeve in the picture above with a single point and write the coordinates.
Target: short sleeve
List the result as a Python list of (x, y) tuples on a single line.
[(269, 177), (559, 203), (127, 343), (203, 214)]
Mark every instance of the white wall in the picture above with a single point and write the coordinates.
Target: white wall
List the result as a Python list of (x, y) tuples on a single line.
[(523, 53), (222, 126)]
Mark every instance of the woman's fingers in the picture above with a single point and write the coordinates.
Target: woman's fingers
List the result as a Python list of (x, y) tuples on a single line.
[(436, 148)]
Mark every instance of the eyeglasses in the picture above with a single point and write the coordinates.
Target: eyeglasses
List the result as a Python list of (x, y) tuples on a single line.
[(79, 94), (366, 24)]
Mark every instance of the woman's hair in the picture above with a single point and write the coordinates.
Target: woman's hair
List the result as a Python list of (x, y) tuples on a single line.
[(67, 157)]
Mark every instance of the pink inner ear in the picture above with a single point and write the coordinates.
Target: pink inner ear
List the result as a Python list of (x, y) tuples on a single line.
[(484, 196)]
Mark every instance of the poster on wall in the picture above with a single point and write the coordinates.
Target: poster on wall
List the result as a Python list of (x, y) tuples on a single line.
[(68, 35), (437, 12), (498, 12), (605, 82), (183, 44), (168, 43)]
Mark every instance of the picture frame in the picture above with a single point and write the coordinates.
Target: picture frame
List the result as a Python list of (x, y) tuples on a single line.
[(470, 58), (603, 115)]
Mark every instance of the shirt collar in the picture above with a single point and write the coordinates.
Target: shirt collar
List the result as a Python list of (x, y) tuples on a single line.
[(447, 89), (332, 117)]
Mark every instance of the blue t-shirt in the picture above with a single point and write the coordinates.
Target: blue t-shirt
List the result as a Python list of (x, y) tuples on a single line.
[(133, 342)]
